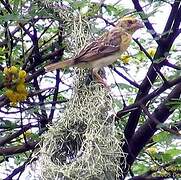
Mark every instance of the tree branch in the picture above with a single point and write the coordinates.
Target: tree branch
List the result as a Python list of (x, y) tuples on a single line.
[(21, 168), (147, 130), (6, 151), (10, 137), (172, 16), (149, 79), (124, 77), (147, 98), (147, 23)]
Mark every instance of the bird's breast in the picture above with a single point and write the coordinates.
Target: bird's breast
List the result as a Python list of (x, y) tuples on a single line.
[(125, 42), (105, 61)]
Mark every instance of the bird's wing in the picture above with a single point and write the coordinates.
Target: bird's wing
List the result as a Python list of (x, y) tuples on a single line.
[(104, 46)]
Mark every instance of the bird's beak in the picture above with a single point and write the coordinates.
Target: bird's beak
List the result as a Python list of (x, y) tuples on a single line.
[(139, 25)]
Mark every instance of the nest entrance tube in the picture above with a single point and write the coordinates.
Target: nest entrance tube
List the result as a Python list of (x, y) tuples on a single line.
[(84, 143)]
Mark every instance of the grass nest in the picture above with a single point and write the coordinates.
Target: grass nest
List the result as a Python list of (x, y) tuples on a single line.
[(84, 143)]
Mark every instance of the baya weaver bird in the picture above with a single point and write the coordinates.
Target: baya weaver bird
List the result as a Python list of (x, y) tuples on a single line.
[(103, 51)]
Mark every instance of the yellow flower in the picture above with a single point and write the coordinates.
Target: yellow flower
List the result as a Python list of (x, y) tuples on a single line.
[(125, 58), (17, 92), (22, 74), (14, 104), (22, 80), (23, 96), (28, 134), (17, 97), (152, 150), (9, 93), (151, 51), (13, 98), (6, 70), (13, 69), (21, 87)]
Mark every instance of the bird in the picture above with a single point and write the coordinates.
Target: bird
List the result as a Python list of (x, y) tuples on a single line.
[(104, 50)]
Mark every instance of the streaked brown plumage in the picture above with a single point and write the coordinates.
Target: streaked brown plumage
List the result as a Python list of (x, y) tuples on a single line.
[(103, 51)]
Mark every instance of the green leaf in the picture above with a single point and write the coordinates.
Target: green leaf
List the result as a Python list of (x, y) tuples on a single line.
[(9, 17), (16, 4), (19, 158), (178, 161), (174, 104), (163, 137), (34, 136), (173, 152), (126, 86), (166, 157), (10, 125), (110, 9), (1, 76), (140, 168), (118, 103), (79, 4), (141, 56)]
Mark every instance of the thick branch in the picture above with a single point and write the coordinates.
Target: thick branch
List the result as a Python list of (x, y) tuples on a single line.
[(147, 23), (163, 48), (146, 131), (5, 151), (172, 16), (7, 139)]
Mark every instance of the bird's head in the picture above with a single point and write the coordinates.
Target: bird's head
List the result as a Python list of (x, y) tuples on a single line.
[(129, 24)]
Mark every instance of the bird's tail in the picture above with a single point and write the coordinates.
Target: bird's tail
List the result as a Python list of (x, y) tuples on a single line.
[(59, 65)]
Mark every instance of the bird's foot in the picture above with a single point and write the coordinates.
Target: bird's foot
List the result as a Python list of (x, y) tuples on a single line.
[(104, 84)]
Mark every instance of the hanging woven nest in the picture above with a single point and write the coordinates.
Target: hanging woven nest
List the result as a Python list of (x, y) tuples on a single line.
[(84, 143)]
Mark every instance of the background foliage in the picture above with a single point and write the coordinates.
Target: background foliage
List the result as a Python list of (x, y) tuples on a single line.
[(145, 82)]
